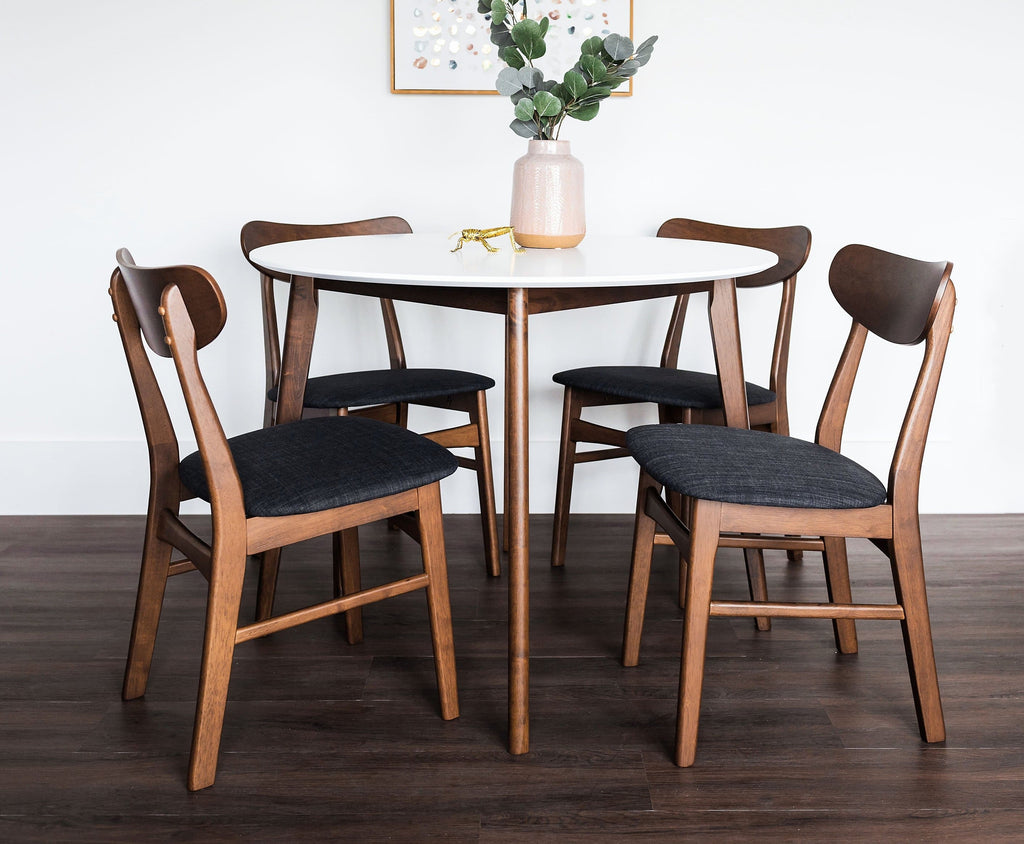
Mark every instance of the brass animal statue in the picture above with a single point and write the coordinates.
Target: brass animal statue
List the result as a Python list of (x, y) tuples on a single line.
[(482, 235)]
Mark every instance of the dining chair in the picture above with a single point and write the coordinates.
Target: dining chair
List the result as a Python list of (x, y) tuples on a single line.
[(267, 488), (682, 395), (759, 482), (380, 393)]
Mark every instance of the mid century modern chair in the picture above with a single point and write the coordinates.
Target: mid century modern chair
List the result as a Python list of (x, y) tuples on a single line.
[(267, 488), (383, 393), (681, 395), (758, 482)]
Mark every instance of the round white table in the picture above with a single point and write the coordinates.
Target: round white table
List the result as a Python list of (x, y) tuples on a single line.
[(601, 270)]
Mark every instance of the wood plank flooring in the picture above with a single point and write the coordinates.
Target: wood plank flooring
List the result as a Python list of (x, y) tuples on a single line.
[(324, 741)]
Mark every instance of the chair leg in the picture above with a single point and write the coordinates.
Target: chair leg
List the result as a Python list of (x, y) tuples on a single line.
[(225, 595), (439, 607), (348, 579), (908, 577), (756, 582), (270, 564), (485, 485), (837, 580), (506, 526), (639, 571), (703, 546), (571, 410), (156, 559), (781, 426)]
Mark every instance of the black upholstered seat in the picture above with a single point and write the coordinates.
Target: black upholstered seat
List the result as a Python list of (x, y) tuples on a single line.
[(386, 386), (739, 466), (658, 384), (320, 464)]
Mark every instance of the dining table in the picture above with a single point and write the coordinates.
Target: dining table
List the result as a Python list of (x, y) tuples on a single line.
[(602, 270)]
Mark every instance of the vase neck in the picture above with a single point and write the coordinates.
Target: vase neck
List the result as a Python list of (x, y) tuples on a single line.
[(549, 147)]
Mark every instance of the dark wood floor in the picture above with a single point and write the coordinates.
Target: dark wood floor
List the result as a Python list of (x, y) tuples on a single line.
[(325, 741)]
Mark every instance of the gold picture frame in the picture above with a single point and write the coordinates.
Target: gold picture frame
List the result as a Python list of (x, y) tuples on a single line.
[(444, 47)]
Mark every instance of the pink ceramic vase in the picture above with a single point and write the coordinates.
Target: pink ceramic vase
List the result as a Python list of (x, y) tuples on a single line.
[(547, 197)]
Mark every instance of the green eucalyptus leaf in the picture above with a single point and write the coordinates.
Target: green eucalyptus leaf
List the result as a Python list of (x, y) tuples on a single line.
[(530, 77), (483, 7), (596, 92), (508, 82), (523, 129), (529, 39), (592, 46), (574, 83), (547, 105), (585, 112), (619, 47), (498, 11), (594, 68), (648, 45), (641, 58), (501, 37), (512, 57), (525, 109), (613, 81), (628, 68), (559, 90), (544, 23)]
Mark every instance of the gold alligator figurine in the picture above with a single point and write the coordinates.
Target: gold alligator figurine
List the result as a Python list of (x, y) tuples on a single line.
[(482, 235)]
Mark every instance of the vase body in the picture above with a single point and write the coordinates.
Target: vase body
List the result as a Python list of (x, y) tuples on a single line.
[(547, 197)]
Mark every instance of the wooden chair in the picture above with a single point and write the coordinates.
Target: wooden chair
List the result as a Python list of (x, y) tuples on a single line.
[(757, 482), (378, 394), (682, 395), (268, 488)]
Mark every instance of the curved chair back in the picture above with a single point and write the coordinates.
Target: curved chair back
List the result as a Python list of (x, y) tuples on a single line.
[(892, 296), (791, 243), (262, 233), (179, 310), (903, 301), (202, 295)]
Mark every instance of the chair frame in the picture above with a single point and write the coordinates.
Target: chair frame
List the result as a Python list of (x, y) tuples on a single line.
[(475, 434), (160, 312), (772, 416), (893, 526)]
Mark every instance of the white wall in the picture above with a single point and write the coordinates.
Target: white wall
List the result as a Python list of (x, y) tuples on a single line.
[(163, 126)]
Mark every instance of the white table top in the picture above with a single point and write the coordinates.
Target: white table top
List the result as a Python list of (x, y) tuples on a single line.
[(426, 259)]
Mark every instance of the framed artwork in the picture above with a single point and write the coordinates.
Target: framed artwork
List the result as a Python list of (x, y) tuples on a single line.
[(444, 46)]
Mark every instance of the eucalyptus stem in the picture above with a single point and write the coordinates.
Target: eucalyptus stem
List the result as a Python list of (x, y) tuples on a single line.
[(542, 104)]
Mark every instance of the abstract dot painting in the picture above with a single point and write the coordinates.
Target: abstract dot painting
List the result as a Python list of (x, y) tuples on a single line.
[(444, 46)]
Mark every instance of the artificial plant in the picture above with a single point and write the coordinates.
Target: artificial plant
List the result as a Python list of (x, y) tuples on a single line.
[(542, 104)]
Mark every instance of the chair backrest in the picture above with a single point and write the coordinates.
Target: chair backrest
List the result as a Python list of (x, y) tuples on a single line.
[(791, 243), (262, 233), (903, 301), (178, 310)]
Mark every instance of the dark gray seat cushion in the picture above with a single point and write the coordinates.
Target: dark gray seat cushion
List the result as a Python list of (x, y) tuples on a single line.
[(383, 386), (672, 387), (317, 464), (752, 467)]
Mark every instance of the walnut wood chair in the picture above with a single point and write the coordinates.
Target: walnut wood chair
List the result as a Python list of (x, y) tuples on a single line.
[(267, 488), (377, 394), (758, 482), (682, 395)]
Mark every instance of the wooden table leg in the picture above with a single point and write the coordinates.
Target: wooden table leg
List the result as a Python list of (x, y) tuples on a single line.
[(725, 337), (300, 326), (517, 449)]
